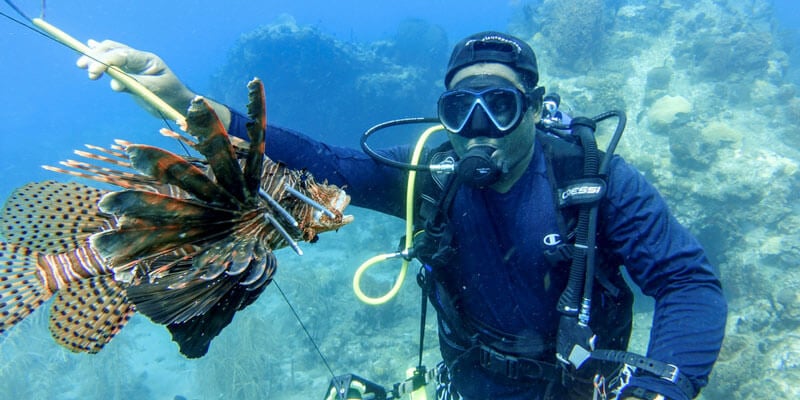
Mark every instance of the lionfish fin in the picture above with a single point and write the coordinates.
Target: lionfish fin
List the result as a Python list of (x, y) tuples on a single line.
[(160, 208), (195, 335), (53, 217), (177, 136), (261, 272), (239, 254), (169, 299), (152, 224), (189, 290), (215, 145), (170, 168), (114, 156), (256, 129), (87, 314), (196, 312), (21, 289)]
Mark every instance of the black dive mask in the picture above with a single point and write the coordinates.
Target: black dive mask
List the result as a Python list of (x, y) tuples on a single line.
[(485, 105), (493, 112), (477, 168)]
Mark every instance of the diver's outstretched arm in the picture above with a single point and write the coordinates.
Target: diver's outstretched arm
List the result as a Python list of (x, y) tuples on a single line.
[(148, 69)]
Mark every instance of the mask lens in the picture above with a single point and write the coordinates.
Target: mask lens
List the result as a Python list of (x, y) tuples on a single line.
[(503, 106), (455, 108)]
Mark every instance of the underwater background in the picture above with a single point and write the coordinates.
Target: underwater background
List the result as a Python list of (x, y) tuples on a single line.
[(711, 93)]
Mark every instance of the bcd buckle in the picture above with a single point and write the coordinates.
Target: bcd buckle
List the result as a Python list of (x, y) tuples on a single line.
[(493, 361)]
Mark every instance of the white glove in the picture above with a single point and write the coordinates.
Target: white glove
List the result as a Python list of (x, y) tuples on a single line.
[(147, 68)]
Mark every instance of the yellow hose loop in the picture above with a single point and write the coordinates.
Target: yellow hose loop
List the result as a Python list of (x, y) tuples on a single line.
[(398, 283), (409, 242)]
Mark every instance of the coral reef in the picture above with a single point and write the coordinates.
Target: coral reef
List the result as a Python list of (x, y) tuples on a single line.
[(657, 84), (335, 89), (574, 31), (665, 111), (700, 148)]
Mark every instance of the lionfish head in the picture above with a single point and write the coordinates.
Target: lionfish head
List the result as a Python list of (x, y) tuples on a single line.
[(335, 200)]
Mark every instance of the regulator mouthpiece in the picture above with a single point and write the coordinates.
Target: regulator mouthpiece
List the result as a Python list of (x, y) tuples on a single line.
[(477, 168)]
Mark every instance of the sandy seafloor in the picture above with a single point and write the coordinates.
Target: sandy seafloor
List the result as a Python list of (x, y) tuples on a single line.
[(710, 89)]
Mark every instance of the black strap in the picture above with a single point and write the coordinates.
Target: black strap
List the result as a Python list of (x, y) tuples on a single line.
[(666, 371), (517, 367), (422, 281), (524, 368)]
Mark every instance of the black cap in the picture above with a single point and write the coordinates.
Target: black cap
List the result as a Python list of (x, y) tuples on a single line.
[(494, 47)]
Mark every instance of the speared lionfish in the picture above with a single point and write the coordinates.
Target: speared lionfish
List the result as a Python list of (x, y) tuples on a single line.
[(187, 242)]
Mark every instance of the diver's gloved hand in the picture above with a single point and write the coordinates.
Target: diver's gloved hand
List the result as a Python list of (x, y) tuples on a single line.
[(147, 68)]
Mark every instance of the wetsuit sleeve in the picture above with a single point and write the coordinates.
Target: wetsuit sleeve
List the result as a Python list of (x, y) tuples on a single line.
[(670, 265), (369, 184)]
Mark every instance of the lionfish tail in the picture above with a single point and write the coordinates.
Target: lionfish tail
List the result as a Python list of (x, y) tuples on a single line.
[(82, 328), (90, 307), (21, 289), (48, 226)]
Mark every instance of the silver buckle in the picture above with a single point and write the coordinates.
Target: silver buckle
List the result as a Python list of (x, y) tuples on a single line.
[(673, 376)]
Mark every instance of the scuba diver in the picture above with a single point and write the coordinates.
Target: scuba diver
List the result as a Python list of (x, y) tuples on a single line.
[(499, 235)]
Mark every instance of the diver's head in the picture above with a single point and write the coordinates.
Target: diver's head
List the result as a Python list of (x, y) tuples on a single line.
[(491, 107)]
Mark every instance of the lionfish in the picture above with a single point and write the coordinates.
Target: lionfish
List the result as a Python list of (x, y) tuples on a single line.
[(188, 241)]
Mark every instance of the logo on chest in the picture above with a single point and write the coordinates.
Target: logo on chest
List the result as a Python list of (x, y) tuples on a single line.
[(552, 239)]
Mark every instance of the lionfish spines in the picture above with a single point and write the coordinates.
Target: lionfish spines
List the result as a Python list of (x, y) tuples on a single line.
[(171, 169), (215, 145), (256, 129)]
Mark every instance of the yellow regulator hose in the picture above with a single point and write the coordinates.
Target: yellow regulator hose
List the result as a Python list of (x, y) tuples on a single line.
[(409, 242)]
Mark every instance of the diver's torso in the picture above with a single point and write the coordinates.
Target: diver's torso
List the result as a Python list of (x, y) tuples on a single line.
[(499, 274)]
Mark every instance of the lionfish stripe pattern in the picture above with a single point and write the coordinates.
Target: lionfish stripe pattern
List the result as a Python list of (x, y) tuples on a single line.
[(47, 226), (187, 242), (150, 224)]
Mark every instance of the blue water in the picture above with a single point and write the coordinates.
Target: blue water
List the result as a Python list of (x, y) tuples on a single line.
[(48, 108), (788, 13)]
